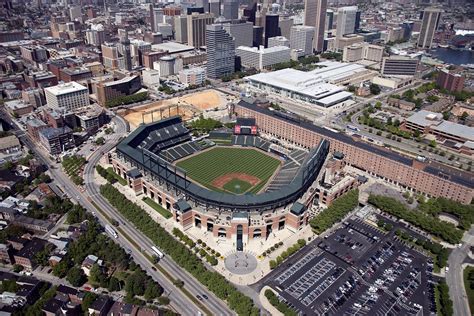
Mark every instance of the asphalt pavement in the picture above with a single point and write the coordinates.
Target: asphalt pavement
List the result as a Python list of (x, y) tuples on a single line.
[(179, 302), (214, 304), (454, 278)]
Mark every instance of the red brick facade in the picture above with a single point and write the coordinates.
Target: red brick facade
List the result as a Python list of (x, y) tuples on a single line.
[(393, 171)]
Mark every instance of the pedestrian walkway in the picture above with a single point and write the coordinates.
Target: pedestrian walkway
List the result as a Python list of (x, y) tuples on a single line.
[(256, 268)]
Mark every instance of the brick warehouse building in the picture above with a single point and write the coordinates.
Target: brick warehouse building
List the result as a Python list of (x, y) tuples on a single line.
[(430, 178)]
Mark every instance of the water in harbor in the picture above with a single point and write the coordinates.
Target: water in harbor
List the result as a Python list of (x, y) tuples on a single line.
[(453, 56)]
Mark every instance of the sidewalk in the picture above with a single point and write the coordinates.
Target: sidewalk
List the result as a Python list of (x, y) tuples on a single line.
[(223, 245)]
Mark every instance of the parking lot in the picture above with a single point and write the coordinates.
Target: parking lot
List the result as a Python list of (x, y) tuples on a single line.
[(356, 270)]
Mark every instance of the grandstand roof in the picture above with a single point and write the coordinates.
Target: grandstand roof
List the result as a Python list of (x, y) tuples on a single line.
[(130, 148)]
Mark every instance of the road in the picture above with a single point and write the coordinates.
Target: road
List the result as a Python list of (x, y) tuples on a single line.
[(405, 145), (214, 304), (179, 302), (454, 278)]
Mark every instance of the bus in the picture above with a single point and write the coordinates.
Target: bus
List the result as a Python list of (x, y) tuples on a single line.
[(111, 231), (157, 252), (353, 128)]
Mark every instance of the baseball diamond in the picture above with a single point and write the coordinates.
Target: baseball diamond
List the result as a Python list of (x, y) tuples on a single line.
[(231, 169)]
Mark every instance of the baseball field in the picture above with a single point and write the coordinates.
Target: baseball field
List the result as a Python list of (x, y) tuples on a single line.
[(231, 170)]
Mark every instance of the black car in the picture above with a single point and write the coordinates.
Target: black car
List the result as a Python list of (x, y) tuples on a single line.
[(205, 296), (199, 297)]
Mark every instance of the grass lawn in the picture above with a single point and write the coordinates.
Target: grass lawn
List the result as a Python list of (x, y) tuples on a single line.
[(119, 179), (469, 286), (237, 186), (218, 161), (164, 212)]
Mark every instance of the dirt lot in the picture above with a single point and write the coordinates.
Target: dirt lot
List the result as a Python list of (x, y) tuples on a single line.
[(205, 100), (190, 105)]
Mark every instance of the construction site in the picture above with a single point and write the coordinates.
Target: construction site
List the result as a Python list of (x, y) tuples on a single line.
[(187, 106)]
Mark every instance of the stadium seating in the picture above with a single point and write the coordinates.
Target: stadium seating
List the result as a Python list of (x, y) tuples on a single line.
[(180, 151), (288, 170), (165, 137)]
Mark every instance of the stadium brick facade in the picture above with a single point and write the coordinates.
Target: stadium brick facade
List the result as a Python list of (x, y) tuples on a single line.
[(408, 173)]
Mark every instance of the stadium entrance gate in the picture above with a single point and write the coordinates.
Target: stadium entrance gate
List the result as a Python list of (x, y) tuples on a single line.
[(240, 244)]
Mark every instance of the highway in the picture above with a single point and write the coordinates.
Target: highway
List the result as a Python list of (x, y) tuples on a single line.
[(454, 278), (214, 304), (179, 302)]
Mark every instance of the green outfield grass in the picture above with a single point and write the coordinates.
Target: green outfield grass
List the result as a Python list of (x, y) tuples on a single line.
[(207, 166)]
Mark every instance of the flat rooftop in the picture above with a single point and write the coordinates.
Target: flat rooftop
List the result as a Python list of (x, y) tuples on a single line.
[(66, 88), (425, 118), (305, 83), (455, 129), (172, 47)]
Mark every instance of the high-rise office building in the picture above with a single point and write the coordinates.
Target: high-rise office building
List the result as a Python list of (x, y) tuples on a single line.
[(215, 7), (108, 91), (257, 36), (301, 39), (68, 96), (220, 52), (181, 28), (124, 49), (357, 21), (399, 66), (250, 12), (158, 17), (197, 28), (278, 41), (230, 9), (203, 4), (407, 27), (241, 31), (263, 58), (429, 24), (285, 25), (96, 35), (315, 16), (346, 21), (329, 19), (271, 26)]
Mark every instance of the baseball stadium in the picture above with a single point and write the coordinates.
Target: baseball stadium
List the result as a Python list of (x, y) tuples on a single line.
[(232, 183)]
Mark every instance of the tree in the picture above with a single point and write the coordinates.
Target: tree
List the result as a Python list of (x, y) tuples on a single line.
[(135, 283), (100, 141), (464, 116), (163, 300), (87, 301), (17, 268), (114, 284), (9, 286), (61, 269), (152, 291), (42, 256), (378, 105), (96, 276), (76, 276), (374, 89), (8, 165)]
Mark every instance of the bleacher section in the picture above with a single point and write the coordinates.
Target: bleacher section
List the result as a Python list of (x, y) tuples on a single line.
[(165, 137), (288, 170), (250, 141), (180, 151)]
